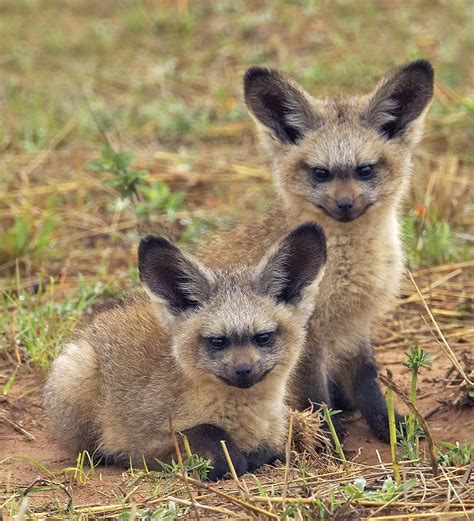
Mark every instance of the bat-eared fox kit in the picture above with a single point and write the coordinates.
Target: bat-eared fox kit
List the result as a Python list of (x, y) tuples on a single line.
[(344, 163), (210, 348)]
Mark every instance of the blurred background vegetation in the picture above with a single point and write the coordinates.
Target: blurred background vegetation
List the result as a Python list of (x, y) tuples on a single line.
[(119, 117)]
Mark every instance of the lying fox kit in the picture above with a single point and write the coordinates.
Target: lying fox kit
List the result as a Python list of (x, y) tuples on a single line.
[(343, 162), (211, 349)]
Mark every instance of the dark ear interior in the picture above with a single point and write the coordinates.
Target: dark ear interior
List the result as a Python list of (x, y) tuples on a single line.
[(401, 98), (294, 265), (278, 104), (171, 276)]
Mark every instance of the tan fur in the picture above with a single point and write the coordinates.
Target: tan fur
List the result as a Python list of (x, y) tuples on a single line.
[(365, 260), (138, 365)]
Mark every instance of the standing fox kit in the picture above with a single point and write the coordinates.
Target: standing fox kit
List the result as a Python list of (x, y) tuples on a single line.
[(343, 162), (211, 349)]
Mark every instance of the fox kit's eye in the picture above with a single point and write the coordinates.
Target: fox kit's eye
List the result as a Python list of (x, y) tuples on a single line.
[(218, 342), (320, 175), (264, 339), (365, 172)]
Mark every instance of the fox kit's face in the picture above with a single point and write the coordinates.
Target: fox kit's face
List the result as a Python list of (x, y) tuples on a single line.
[(341, 171), (241, 325), (239, 336), (340, 156)]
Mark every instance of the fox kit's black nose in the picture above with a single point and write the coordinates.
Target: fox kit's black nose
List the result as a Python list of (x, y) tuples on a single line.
[(345, 204), (243, 370)]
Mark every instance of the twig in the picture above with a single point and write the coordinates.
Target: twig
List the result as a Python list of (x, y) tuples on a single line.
[(422, 515), (232, 499), (17, 427), (287, 457), (219, 510), (337, 443), (393, 431), (183, 470), (445, 346), (433, 411), (232, 469)]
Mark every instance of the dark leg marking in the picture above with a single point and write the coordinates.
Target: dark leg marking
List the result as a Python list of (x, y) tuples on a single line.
[(368, 396), (262, 455), (339, 398), (205, 440), (317, 391)]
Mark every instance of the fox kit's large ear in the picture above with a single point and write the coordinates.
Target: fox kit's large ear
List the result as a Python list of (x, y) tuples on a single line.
[(280, 105), (175, 281), (398, 104), (290, 272)]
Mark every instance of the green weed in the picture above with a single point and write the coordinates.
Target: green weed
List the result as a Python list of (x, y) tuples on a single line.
[(416, 359), (168, 512), (124, 179), (11, 379), (301, 512), (457, 455), (196, 228), (158, 197), (327, 415), (174, 118), (389, 490), (136, 193), (194, 466)]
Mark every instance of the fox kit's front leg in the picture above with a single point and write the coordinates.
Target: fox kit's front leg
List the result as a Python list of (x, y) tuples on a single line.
[(315, 389), (358, 381), (263, 455), (205, 440)]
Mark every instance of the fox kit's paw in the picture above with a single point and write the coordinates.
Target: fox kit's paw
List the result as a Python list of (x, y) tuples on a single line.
[(205, 440), (381, 429), (263, 455), (220, 468)]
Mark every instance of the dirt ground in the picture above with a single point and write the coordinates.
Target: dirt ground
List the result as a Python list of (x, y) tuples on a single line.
[(23, 406)]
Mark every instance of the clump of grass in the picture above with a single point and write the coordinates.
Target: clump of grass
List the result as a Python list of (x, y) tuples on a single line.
[(457, 455), (194, 465), (158, 197), (195, 228), (25, 236), (38, 323), (175, 119), (81, 474), (429, 241)]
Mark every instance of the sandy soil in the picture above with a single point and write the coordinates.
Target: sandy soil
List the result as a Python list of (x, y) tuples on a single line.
[(23, 406)]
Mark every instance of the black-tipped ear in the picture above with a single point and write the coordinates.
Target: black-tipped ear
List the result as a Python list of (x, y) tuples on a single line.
[(401, 98), (279, 104), (174, 279), (293, 264)]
